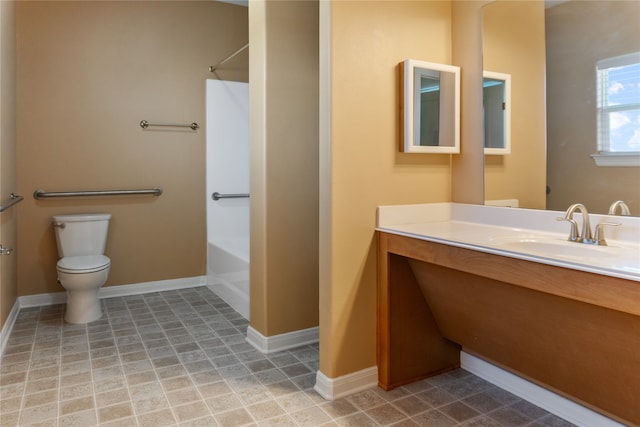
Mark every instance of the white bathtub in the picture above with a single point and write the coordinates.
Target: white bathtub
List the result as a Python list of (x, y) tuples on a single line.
[(228, 272)]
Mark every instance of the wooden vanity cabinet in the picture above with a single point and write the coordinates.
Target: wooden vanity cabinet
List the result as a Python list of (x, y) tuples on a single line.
[(574, 332)]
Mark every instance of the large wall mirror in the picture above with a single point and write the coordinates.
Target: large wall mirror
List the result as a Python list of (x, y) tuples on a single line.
[(552, 54), (430, 107)]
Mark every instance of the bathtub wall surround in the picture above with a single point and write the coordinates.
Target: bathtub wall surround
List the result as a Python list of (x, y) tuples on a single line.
[(228, 173), (479, 277)]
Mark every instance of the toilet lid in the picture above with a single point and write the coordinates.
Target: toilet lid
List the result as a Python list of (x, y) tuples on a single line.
[(83, 264)]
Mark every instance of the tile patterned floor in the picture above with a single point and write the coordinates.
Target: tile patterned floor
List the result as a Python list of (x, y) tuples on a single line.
[(180, 358)]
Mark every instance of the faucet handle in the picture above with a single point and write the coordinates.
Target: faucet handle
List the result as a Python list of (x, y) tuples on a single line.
[(573, 233), (598, 239)]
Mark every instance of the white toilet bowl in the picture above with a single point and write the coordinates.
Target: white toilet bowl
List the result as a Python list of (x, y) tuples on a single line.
[(82, 277), (83, 268)]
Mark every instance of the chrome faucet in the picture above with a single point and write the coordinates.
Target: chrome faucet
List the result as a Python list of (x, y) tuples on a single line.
[(585, 236), (624, 209)]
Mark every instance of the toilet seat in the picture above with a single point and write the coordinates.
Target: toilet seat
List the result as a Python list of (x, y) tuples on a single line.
[(83, 264)]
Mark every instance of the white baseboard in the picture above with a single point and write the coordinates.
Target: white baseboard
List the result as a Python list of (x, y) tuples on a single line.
[(40, 300), (148, 287), (539, 396), (8, 326), (335, 388), (281, 342)]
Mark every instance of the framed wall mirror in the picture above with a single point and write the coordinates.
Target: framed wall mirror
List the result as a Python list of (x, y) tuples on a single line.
[(429, 107), (496, 100)]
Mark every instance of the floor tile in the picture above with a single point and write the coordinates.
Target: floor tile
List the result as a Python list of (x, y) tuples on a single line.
[(180, 358)]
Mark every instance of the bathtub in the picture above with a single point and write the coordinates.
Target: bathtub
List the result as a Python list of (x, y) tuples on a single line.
[(228, 272)]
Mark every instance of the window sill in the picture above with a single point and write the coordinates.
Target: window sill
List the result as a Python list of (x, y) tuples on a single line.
[(617, 159)]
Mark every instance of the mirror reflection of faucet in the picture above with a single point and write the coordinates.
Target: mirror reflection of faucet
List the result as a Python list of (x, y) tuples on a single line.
[(585, 235), (624, 209)]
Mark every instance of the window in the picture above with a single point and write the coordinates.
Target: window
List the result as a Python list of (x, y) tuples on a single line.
[(618, 81)]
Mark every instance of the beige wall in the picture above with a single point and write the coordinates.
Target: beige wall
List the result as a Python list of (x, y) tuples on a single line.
[(284, 165), (88, 73), (580, 34), (8, 218), (361, 166), (467, 174), (513, 39)]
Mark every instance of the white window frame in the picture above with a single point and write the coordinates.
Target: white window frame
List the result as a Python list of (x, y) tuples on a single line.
[(605, 157)]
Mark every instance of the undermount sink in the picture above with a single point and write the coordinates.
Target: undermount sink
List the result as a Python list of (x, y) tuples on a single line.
[(613, 256)]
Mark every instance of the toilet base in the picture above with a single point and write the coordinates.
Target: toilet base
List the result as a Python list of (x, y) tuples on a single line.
[(83, 306)]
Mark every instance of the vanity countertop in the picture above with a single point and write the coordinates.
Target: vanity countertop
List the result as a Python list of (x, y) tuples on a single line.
[(532, 235)]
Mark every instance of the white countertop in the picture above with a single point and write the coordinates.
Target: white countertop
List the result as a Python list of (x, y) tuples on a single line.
[(532, 235)]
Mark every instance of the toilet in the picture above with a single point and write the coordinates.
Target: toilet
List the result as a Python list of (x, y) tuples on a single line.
[(83, 268)]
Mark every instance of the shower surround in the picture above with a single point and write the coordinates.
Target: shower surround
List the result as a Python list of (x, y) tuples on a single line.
[(228, 174)]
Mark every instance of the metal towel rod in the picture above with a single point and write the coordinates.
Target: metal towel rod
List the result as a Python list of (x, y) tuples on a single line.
[(214, 67), (218, 196), (145, 124), (41, 194), (12, 201)]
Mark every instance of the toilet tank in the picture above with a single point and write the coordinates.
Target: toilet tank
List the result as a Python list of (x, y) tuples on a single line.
[(81, 234)]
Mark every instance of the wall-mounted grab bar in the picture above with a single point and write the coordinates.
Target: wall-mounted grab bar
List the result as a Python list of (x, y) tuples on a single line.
[(145, 124), (41, 194), (12, 201), (218, 196)]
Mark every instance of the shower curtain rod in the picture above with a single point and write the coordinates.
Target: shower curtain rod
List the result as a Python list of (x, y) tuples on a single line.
[(213, 67)]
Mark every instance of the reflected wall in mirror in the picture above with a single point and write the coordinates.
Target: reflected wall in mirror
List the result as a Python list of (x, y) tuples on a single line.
[(496, 102), (578, 35), (430, 107), (513, 44)]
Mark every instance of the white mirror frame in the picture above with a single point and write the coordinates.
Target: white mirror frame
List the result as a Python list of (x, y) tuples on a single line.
[(409, 93), (506, 78)]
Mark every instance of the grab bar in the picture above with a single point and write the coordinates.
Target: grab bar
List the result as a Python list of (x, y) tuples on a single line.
[(12, 201), (218, 196), (145, 124), (41, 194)]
